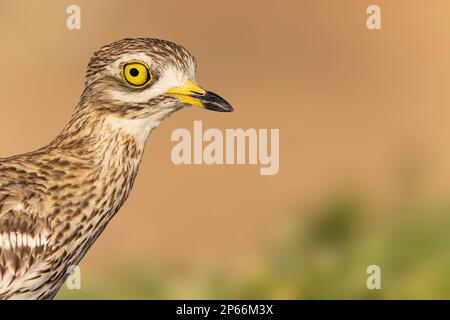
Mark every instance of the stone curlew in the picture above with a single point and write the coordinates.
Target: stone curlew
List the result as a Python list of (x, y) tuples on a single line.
[(55, 201)]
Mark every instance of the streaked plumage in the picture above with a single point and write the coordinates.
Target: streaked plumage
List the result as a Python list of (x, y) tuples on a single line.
[(55, 202)]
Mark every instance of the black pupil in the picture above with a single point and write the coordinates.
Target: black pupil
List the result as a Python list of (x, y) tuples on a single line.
[(134, 72)]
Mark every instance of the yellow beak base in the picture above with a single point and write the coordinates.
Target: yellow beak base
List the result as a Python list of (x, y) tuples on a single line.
[(186, 92), (191, 94)]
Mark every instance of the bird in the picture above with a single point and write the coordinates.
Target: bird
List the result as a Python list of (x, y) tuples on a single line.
[(57, 200)]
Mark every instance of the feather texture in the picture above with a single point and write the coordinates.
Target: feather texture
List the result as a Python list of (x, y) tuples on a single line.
[(55, 202)]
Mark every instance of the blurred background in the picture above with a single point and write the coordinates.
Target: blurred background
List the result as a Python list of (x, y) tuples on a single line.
[(364, 146)]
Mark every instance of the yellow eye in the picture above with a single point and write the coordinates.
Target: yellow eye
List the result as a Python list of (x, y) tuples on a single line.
[(136, 74)]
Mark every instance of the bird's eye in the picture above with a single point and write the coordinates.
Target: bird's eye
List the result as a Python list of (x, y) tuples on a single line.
[(136, 74)]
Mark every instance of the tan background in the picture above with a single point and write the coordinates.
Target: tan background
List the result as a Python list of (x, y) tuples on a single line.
[(352, 107)]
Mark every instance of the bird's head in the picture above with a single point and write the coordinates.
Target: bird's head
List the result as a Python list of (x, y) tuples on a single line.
[(136, 78)]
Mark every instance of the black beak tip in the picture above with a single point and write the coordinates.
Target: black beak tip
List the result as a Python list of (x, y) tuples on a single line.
[(214, 102), (218, 107)]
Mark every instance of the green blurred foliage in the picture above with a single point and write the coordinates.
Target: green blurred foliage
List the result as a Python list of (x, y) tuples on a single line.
[(323, 254)]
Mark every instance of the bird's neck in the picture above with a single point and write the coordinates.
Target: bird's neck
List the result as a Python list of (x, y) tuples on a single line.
[(106, 140), (101, 157), (106, 152)]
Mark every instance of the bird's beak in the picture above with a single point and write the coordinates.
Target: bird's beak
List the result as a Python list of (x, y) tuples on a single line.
[(190, 93)]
